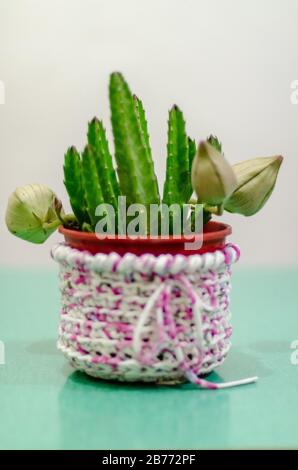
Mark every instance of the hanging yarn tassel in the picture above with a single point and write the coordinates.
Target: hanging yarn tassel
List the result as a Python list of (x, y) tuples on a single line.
[(165, 316)]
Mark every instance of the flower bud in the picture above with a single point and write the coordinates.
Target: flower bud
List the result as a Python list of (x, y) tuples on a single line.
[(212, 176), (31, 213), (255, 182)]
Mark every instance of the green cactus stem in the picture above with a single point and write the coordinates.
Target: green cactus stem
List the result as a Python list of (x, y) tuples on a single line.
[(176, 187), (104, 164), (135, 170), (74, 184), (94, 195), (192, 149), (140, 112)]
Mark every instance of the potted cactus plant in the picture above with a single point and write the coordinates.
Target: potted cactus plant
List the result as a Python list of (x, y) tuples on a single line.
[(144, 278)]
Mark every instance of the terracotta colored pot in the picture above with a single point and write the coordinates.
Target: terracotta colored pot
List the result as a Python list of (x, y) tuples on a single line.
[(214, 238)]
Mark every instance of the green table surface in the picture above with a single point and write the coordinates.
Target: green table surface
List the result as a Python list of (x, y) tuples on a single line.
[(45, 404)]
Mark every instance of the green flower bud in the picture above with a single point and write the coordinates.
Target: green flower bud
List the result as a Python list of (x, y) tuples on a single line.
[(212, 176), (255, 182), (31, 213)]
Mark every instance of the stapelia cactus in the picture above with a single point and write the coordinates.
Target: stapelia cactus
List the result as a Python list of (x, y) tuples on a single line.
[(177, 187), (94, 194), (135, 169), (34, 211), (73, 181), (103, 161)]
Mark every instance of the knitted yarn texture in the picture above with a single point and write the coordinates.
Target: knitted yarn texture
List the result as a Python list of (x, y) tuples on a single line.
[(146, 318)]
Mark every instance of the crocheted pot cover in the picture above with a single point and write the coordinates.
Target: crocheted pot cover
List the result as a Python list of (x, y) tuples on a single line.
[(146, 318)]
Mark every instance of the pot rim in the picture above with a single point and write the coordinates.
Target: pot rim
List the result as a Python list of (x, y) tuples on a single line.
[(215, 230)]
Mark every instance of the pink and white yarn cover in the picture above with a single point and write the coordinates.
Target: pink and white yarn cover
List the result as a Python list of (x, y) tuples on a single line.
[(146, 318)]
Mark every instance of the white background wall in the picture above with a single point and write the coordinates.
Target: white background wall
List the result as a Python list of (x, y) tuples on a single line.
[(228, 64)]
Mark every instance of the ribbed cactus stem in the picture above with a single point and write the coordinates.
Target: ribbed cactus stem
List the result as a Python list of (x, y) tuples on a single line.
[(136, 174), (176, 188), (191, 151), (94, 195), (141, 116), (191, 154), (73, 182), (103, 160)]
